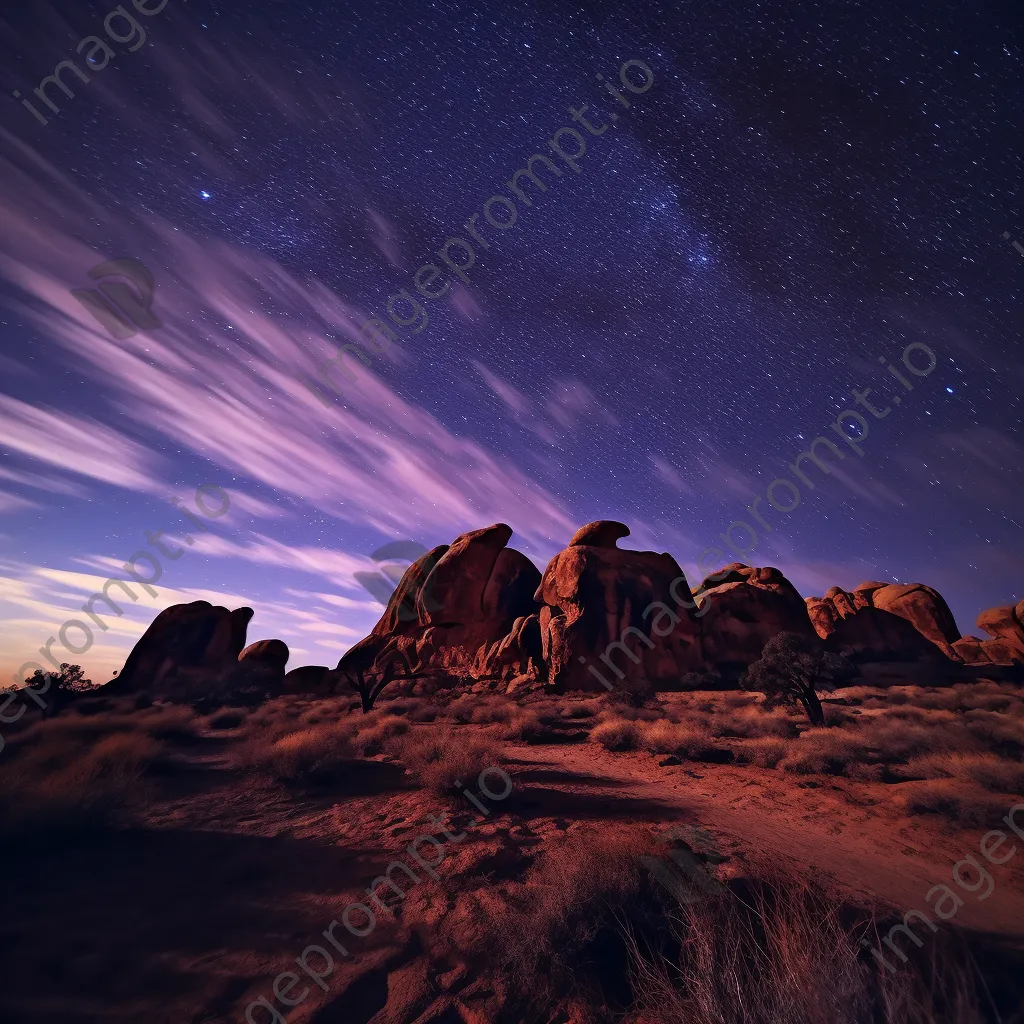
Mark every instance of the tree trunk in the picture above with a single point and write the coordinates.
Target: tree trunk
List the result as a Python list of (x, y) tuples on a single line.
[(812, 706)]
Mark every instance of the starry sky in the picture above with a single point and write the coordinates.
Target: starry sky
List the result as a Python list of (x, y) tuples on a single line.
[(802, 191)]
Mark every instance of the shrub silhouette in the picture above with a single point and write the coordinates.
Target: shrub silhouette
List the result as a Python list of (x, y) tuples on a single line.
[(791, 670)]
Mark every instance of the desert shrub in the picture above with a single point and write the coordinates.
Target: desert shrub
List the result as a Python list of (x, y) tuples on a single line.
[(762, 751), (308, 755), (756, 721), (494, 710), (439, 759), (568, 909), (823, 751), (965, 808), (986, 770), (525, 725), (774, 949), (683, 740), (62, 784), (375, 736), (616, 734), (1000, 733)]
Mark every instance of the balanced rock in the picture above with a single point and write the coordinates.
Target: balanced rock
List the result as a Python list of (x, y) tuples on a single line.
[(613, 611)]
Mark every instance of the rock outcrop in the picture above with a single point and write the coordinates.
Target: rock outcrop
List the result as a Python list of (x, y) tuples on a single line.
[(478, 614), (1005, 624), (187, 647), (742, 608), (608, 617), (870, 623), (464, 611), (262, 665)]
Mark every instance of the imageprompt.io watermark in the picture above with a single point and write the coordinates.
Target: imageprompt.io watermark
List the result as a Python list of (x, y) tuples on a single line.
[(395, 559), (122, 310)]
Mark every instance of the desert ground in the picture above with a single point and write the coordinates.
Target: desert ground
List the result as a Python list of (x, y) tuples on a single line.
[(171, 863)]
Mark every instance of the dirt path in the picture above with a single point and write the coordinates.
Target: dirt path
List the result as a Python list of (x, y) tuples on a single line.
[(852, 831)]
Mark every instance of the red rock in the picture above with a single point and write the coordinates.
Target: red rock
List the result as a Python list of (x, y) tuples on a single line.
[(873, 636), (273, 654), (746, 607), (594, 594), (198, 641)]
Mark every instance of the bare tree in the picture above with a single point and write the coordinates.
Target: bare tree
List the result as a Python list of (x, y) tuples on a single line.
[(369, 666)]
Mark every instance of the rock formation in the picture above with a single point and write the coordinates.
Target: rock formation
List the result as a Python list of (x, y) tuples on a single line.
[(745, 608), (608, 613), (871, 623), (186, 647), (478, 614), (1006, 625)]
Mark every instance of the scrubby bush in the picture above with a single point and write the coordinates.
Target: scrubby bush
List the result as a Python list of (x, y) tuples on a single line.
[(308, 755), (763, 752), (443, 759), (60, 782), (681, 739), (616, 734)]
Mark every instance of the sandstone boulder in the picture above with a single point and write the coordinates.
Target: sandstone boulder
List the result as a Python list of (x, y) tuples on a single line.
[(611, 611), (742, 610), (273, 654), (474, 614), (186, 646), (920, 606), (1005, 624), (312, 679)]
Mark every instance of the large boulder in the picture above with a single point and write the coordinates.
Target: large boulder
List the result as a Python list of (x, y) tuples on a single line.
[(186, 647), (1005, 624), (742, 608), (261, 666), (271, 654), (608, 618), (870, 623), (460, 611)]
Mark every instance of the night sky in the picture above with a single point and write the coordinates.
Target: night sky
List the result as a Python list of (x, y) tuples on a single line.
[(801, 191)]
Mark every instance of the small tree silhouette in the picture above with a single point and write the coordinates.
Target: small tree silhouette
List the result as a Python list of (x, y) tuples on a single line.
[(70, 679), (791, 670), (368, 669)]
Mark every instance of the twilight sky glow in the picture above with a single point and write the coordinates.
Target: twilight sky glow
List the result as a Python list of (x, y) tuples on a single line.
[(800, 192)]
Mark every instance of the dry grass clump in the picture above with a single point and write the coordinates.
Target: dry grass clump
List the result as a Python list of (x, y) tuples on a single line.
[(63, 783), (986, 770), (617, 734), (526, 725), (762, 751), (751, 722), (306, 755), (774, 950), (568, 909), (376, 734), (415, 709), (824, 752), (683, 740), (965, 807), (440, 758), (589, 929)]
